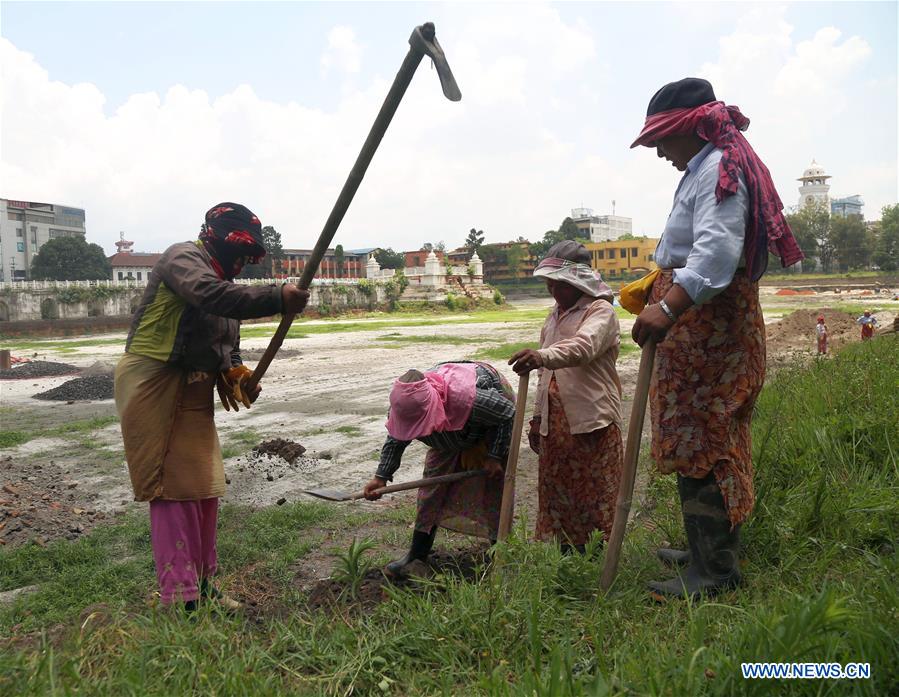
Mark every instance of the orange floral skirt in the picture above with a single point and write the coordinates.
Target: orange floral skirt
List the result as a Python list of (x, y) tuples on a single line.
[(709, 370), (578, 478)]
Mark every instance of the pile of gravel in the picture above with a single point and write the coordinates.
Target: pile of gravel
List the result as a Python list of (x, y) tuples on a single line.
[(38, 369), (81, 389)]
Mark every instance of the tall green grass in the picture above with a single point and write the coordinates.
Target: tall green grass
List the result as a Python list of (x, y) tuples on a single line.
[(820, 566)]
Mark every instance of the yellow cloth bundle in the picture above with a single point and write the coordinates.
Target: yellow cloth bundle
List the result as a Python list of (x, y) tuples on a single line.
[(633, 296)]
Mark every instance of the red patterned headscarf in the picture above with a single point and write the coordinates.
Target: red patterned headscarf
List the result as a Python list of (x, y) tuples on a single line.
[(231, 234), (721, 125)]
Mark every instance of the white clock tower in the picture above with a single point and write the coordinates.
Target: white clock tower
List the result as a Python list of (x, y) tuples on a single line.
[(814, 188)]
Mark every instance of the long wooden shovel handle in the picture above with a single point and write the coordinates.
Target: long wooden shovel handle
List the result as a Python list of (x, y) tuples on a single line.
[(507, 508), (629, 473), (428, 481), (379, 127)]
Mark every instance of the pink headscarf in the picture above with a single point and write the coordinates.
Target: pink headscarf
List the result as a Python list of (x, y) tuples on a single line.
[(440, 402)]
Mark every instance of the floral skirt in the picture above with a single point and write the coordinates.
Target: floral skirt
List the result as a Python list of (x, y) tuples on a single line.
[(578, 478), (470, 506), (709, 370)]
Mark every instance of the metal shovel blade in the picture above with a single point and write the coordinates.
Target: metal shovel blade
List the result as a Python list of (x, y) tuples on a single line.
[(329, 494)]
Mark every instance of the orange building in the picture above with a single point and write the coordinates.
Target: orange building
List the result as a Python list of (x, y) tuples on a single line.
[(417, 259), (353, 266)]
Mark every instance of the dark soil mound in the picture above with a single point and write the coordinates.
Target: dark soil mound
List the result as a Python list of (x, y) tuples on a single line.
[(279, 447), (467, 564), (81, 389), (797, 330), (38, 369)]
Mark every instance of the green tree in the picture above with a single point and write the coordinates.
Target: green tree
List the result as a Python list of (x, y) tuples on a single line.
[(388, 259), (569, 230), (851, 242), (70, 259), (811, 228), (886, 251), (339, 259), (272, 240), (432, 247), (514, 256), (474, 240)]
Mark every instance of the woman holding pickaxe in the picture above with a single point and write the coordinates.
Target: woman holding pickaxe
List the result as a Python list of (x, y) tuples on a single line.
[(703, 311), (183, 343)]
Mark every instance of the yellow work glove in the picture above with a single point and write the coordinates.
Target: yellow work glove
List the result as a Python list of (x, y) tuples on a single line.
[(226, 394), (235, 378), (634, 295)]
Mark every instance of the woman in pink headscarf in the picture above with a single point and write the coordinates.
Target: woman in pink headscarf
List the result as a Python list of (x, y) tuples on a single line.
[(463, 412)]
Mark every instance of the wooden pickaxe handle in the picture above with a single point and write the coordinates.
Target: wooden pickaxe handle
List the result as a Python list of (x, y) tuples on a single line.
[(428, 481), (629, 473), (422, 42), (507, 507)]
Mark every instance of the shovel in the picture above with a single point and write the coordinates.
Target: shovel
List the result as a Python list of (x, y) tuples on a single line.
[(335, 495)]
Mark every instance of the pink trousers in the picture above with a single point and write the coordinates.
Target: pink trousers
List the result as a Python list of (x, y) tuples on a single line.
[(183, 538)]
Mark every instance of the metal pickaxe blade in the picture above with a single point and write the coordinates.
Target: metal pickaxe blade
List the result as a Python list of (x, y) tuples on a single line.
[(424, 40)]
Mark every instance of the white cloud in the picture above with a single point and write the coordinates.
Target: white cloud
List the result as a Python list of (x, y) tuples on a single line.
[(818, 66), (154, 165), (343, 52), (809, 99), (511, 158)]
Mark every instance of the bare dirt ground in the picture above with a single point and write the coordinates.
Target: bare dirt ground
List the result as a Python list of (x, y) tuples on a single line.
[(326, 391)]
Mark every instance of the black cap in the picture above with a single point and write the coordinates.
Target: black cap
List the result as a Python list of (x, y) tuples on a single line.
[(570, 251), (686, 93)]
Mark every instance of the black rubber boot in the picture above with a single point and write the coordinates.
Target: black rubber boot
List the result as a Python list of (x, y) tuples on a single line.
[(673, 557), (714, 556), (420, 549), (571, 549)]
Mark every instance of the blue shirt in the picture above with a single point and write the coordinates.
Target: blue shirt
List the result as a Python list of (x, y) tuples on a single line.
[(703, 239)]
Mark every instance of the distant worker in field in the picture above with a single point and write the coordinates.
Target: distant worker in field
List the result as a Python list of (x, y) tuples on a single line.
[(821, 333), (868, 324), (576, 428), (463, 412), (703, 310), (184, 342)]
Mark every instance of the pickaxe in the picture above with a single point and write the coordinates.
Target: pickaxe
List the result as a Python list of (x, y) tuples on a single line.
[(422, 43), (629, 472)]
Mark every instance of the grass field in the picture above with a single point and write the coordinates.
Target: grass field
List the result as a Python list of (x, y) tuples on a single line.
[(12, 438), (820, 563)]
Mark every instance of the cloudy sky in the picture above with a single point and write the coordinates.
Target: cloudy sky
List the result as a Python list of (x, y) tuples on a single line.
[(146, 114)]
